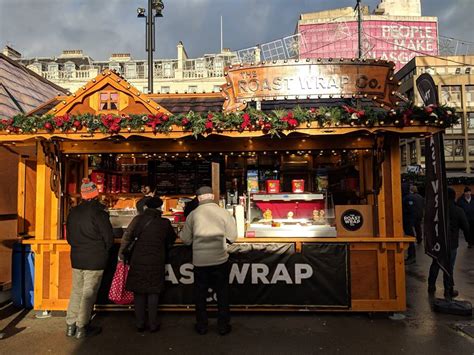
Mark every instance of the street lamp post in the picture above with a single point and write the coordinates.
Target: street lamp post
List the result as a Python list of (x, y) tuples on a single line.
[(155, 8)]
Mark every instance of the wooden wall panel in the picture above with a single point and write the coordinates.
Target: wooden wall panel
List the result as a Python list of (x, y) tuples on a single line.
[(7, 239), (30, 195), (8, 182), (65, 275), (392, 284), (46, 274), (364, 276)]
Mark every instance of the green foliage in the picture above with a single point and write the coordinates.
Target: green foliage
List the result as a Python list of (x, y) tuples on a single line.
[(251, 119)]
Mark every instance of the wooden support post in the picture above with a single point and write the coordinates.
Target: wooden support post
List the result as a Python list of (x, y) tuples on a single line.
[(396, 187), (215, 181), (42, 185), (21, 207)]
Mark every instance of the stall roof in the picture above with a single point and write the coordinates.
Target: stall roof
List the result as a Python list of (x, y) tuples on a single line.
[(183, 103), (22, 90)]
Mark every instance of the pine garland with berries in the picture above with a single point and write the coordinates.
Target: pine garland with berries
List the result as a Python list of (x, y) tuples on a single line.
[(251, 119)]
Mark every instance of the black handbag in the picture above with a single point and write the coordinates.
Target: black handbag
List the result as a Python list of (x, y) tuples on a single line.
[(128, 251)]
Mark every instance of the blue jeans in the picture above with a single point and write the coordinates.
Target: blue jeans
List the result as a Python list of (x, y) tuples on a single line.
[(434, 270)]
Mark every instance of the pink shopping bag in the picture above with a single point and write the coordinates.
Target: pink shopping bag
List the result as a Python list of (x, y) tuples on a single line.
[(117, 293)]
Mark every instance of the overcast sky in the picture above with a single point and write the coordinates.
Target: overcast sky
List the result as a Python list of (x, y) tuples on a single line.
[(102, 27)]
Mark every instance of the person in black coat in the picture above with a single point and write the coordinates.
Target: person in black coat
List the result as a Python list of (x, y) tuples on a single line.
[(419, 212), (409, 213), (456, 220), (466, 202), (90, 235), (146, 276)]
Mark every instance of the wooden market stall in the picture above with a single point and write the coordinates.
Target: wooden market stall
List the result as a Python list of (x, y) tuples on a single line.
[(345, 115)]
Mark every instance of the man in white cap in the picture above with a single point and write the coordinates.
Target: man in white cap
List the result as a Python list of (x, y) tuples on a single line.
[(207, 229)]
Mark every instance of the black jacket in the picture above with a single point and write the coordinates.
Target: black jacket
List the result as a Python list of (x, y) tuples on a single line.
[(90, 235), (457, 220), (468, 207), (147, 265), (419, 206)]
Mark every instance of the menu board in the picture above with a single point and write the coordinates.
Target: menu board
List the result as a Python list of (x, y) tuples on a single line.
[(180, 177)]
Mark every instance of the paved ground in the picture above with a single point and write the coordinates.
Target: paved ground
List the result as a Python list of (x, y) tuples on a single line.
[(421, 332)]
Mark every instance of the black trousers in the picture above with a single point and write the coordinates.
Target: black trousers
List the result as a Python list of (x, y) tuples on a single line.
[(418, 231), (470, 237), (215, 277), (141, 301)]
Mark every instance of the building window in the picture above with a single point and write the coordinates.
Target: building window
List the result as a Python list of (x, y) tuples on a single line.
[(451, 95), (200, 65), (470, 95), (167, 70), (165, 90), (413, 153), (458, 148), (192, 89), (448, 149), (470, 120), (422, 147), (109, 100), (403, 153), (131, 70), (471, 147), (53, 67), (115, 66), (69, 66)]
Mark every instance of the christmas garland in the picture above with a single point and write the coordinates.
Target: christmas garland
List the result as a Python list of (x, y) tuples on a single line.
[(272, 122)]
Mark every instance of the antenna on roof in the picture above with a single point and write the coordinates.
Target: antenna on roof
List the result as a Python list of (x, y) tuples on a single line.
[(222, 37)]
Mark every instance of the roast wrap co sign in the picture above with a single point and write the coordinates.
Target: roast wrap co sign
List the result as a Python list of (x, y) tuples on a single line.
[(269, 275), (303, 80)]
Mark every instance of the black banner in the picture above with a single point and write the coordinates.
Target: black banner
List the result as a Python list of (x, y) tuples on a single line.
[(435, 226), (269, 274), (427, 88)]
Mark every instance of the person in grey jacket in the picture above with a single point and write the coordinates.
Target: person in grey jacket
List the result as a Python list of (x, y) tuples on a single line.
[(208, 229)]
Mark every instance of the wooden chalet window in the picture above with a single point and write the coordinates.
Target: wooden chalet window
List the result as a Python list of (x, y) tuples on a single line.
[(109, 101)]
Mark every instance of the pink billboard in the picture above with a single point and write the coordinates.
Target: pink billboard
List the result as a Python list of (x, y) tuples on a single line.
[(398, 41)]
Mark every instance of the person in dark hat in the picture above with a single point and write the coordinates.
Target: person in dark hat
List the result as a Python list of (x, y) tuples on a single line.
[(467, 204), (148, 193), (207, 229), (456, 220), (146, 276), (90, 234)]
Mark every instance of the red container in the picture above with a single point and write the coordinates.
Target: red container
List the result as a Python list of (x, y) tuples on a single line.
[(297, 186), (99, 180), (273, 186)]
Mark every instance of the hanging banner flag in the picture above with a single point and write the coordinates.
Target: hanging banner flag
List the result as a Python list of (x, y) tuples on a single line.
[(436, 231), (427, 89)]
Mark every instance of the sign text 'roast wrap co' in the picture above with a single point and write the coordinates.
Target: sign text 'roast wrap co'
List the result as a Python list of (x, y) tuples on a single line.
[(370, 79)]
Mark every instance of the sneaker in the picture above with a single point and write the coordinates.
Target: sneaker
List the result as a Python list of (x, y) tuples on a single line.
[(200, 329), (431, 289), (71, 330), (87, 331), (226, 329)]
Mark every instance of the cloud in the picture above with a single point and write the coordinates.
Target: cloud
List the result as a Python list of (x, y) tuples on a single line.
[(100, 28)]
